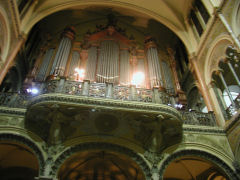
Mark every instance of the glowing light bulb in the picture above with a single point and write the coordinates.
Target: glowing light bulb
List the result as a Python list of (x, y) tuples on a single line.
[(80, 73), (138, 78)]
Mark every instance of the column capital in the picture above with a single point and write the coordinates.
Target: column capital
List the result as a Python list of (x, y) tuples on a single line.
[(218, 72)]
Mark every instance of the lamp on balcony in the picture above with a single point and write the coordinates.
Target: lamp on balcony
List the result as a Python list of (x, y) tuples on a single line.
[(80, 73), (138, 79)]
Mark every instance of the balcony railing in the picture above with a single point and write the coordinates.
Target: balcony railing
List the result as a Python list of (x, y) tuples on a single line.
[(108, 90)]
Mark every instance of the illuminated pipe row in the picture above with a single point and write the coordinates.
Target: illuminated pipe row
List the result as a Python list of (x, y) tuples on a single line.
[(44, 66), (74, 63), (107, 70), (63, 52), (154, 67), (91, 64), (167, 75), (61, 57)]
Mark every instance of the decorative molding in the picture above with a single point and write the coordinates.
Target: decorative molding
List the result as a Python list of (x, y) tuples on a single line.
[(29, 143), (232, 123), (15, 16), (107, 103), (15, 111), (99, 146), (232, 174), (204, 130)]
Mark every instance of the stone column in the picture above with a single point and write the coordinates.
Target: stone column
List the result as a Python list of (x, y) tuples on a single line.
[(63, 51), (220, 75), (10, 59), (201, 84), (233, 72)]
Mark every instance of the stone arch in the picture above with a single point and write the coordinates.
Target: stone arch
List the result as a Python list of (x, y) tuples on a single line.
[(4, 34), (179, 31), (27, 142), (101, 146), (215, 54), (200, 154)]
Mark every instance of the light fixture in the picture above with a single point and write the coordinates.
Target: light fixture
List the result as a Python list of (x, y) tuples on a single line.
[(33, 91), (138, 79), (80, 73)]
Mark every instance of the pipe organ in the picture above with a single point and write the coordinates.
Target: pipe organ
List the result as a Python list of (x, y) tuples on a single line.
[(108, 62), (63, 51), (44, 65), (75, 63), (108, 57)]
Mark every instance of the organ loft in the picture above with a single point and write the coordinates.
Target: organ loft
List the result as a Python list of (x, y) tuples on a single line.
[(119, 90)]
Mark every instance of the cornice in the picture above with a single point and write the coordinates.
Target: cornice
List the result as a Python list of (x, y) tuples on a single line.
[(204, 129), (15, 16), (10, 110), (105, 103)]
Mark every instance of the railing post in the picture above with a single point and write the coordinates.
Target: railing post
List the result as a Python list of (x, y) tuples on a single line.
[(85, 88), (156, 96), (212, 117), (60, 85), (162, 96), (109, 90), (172, 100), (132, 92)]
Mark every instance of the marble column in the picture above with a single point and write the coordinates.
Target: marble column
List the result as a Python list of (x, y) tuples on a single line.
[(201, 84), (63, 52)]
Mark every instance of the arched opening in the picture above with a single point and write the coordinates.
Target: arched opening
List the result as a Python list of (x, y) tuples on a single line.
[(100, 165), (17, 162), (191, 167)]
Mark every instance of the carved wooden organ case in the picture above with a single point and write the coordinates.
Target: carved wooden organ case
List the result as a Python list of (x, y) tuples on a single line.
[(107, 56)]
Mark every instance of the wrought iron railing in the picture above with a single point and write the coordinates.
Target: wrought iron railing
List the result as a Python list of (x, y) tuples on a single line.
[(198, 118), (108, 90)]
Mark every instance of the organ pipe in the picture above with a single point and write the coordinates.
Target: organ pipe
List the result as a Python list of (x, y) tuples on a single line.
[(124, 67), (108, 62), (91, 64), (63, 52), (75, 62), (44, 66), (153, 63), (168, 76)]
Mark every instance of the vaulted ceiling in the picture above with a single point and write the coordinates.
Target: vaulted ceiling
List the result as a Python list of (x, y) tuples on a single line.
[(142, 15)]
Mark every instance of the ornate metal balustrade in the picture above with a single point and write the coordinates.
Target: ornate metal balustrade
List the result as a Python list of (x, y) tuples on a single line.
[(198, 118), (108, 90), (14, 100)]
